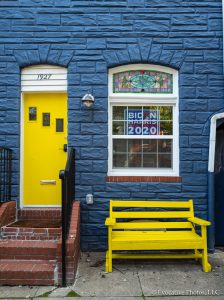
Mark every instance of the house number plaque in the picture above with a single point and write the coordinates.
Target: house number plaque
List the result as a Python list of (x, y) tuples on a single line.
[(44, 76)]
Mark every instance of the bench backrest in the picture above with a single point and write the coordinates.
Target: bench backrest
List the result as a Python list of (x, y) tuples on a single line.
[(125, 209)]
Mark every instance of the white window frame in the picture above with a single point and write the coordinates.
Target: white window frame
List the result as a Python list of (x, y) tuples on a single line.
[(134, 99)]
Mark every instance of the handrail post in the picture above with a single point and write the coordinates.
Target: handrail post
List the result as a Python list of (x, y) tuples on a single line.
[(67, 177), (63, 228)]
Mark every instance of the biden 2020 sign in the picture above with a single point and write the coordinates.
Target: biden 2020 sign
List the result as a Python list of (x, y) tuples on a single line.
[(142, 122)]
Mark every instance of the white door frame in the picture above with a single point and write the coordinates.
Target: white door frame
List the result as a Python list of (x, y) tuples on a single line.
[(211, 181), (36, 84)]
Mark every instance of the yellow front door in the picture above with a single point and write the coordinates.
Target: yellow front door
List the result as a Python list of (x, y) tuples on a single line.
[(45, 137)]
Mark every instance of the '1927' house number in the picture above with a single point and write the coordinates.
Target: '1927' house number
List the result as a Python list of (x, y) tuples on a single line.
[(44, 76)]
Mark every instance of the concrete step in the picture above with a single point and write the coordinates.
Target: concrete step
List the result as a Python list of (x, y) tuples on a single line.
[(25, 272), (33, 250)]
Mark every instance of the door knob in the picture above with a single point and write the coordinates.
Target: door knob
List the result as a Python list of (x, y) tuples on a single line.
[(65, 148)]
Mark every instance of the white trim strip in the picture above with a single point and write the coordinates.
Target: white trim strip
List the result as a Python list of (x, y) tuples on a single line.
[(53, 82), (44, 88), (21, 151), (212, 141)]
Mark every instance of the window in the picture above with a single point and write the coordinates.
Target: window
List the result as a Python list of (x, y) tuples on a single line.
[(143, 127), (32, 113)]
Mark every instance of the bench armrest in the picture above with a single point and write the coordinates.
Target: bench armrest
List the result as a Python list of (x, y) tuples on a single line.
[(110, 221), (199, 221)]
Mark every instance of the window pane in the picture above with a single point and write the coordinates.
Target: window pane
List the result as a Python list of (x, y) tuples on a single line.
[(150, 161), (134, 128), (164, 160), (118, 127), (149, 108), (151, 128), (166, 128), (46, 119), (120, 146), (150, 146), (134, 153), (119, 112), (119, 160), (135, 160), (166, 113), (150, 113), (59, 125), (135, 112), (134, 146), (32, 113), (165, 146)]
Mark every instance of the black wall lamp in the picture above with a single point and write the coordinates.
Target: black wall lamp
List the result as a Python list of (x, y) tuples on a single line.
[(88, 100)]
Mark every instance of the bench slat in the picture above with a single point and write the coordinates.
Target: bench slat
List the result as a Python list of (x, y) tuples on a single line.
[(155, 256), (155, 236), (155, 240), (159, 204), (152, 214), (153, 225), (164, 245)]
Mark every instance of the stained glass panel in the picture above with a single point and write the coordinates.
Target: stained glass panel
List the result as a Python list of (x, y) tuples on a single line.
[(143, 81)]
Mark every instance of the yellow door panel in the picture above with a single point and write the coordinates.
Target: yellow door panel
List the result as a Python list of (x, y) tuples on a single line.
[(45, 133)]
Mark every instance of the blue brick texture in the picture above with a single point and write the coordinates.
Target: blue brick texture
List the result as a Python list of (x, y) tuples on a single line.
[(89, 37)]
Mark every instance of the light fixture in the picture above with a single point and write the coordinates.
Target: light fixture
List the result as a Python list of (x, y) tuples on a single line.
[(88, 100), (89, 199)]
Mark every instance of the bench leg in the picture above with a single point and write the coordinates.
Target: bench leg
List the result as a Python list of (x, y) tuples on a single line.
[(205, 264), (108, 261), (109, 252), (196, 252)]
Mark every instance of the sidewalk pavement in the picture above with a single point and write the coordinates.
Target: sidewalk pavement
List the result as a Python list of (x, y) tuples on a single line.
[(134, 280)]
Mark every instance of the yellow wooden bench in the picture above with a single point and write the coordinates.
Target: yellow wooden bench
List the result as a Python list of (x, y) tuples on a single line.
[(137, 225)]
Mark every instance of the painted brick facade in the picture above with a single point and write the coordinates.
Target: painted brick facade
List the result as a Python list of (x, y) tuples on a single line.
[(89, 37)]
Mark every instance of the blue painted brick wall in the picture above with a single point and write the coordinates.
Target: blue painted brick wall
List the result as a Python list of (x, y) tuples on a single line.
[(89, 37)]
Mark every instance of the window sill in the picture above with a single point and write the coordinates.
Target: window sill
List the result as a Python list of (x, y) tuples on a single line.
[(144, 179)]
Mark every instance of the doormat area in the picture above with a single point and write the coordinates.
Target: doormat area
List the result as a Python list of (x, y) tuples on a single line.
[(37, 224)]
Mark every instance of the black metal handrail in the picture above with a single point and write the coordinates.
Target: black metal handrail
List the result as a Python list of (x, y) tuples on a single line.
[(5, 174), (67, 177)]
